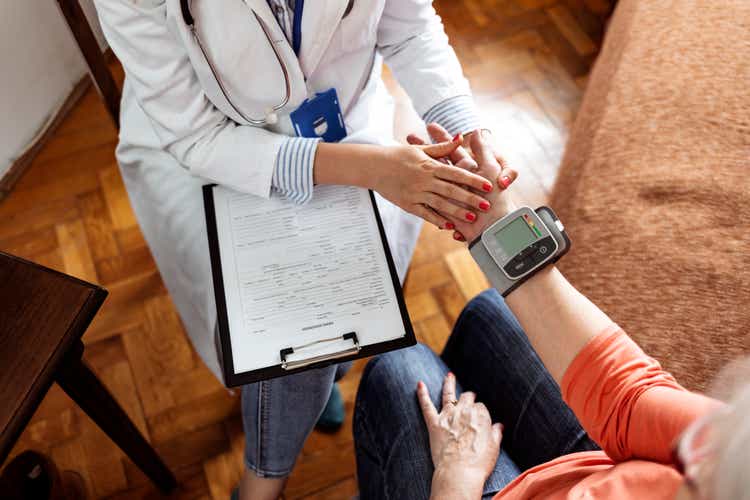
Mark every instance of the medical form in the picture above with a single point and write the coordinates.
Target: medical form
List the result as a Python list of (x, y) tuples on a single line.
[(303, 276)]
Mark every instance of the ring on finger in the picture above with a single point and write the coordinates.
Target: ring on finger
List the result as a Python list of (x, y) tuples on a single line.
[(454, 402), (483, 132)]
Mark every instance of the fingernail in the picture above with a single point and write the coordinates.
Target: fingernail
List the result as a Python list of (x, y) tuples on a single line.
[(470, 216), (449, 225), (502, 427), (457, 137), (484, 205), (419, 384), (458, 237), (505, 181), (450, 374), (487, 187)]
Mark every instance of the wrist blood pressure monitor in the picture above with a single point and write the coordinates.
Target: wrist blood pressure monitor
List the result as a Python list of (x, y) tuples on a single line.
[(514, 248)]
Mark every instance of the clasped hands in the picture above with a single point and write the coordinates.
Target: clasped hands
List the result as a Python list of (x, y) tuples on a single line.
[(463, 194)]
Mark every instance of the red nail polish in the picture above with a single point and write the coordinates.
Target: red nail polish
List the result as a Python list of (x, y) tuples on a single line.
[(450, 374), (457, 137), (487, 187), (457, 236), (505, 180), (484, 205), (449, 225), (470, 216)]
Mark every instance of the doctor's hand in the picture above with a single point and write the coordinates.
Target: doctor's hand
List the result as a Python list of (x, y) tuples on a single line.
[(413, 178), (489, 165)]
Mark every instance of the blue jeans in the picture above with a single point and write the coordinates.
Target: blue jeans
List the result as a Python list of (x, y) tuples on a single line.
[(490, 355), (279, 414)]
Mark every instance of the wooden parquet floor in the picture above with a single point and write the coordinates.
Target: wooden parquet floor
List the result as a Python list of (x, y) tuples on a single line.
[(527, 61)]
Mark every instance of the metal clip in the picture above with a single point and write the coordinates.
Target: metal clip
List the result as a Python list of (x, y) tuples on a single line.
[(291, 365)]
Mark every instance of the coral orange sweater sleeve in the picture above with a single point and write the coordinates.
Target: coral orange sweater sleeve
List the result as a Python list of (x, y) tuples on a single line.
[(626, 402)]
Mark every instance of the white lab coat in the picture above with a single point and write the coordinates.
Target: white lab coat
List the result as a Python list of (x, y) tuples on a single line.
[(179, 132)]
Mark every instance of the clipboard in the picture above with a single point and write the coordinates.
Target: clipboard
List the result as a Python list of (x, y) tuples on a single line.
[(298, 356)]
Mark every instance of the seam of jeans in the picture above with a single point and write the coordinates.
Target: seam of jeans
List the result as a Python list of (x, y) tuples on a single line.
[(581, 437), (525, 404), (381, 465), (361, 416), (259, 449), (265, 472)]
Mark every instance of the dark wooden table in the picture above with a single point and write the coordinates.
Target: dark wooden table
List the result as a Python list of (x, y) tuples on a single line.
[(43, 315)]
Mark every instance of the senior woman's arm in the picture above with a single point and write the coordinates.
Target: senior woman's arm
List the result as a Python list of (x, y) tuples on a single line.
[(557, 318), (623, 398)]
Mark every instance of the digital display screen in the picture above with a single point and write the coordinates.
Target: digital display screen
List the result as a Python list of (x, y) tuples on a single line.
[(515, 237)]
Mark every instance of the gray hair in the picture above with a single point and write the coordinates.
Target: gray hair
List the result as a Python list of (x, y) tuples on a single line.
[(730, 478)]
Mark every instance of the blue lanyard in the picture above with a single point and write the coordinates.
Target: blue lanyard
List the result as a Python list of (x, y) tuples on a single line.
[(299, 6)]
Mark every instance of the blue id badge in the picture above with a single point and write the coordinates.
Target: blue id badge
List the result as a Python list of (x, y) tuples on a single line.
[(321, 117)]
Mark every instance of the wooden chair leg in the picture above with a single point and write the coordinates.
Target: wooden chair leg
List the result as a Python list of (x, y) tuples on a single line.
[(84, 387), (98, 69)]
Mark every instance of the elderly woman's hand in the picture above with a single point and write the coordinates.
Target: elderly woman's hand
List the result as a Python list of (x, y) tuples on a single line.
[(484, 161), (463, 442)]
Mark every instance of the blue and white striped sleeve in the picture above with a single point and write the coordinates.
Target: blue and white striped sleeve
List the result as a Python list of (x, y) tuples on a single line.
[(293, 172), (456, 114)]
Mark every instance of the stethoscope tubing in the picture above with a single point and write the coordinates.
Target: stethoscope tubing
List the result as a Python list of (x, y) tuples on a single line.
[(190, 23)]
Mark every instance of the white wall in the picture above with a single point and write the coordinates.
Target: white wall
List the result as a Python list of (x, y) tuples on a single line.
[(39, 66)]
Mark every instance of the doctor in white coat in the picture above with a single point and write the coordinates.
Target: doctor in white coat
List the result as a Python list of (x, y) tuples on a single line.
[(209, 88)]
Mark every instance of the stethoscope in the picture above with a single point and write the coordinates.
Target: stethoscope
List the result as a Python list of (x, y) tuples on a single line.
[(271, 117)]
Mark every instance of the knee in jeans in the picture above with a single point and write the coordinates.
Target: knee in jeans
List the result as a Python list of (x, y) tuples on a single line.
[(488, 305), (487, 314), (487, 311), (384, 367), (394, 371), (487, 301)]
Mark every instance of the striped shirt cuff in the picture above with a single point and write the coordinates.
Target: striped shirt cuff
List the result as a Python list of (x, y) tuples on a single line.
[(293, 172), (456, 114)]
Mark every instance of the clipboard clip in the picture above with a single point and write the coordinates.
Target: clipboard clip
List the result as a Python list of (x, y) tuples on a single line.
[(291, 365)]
